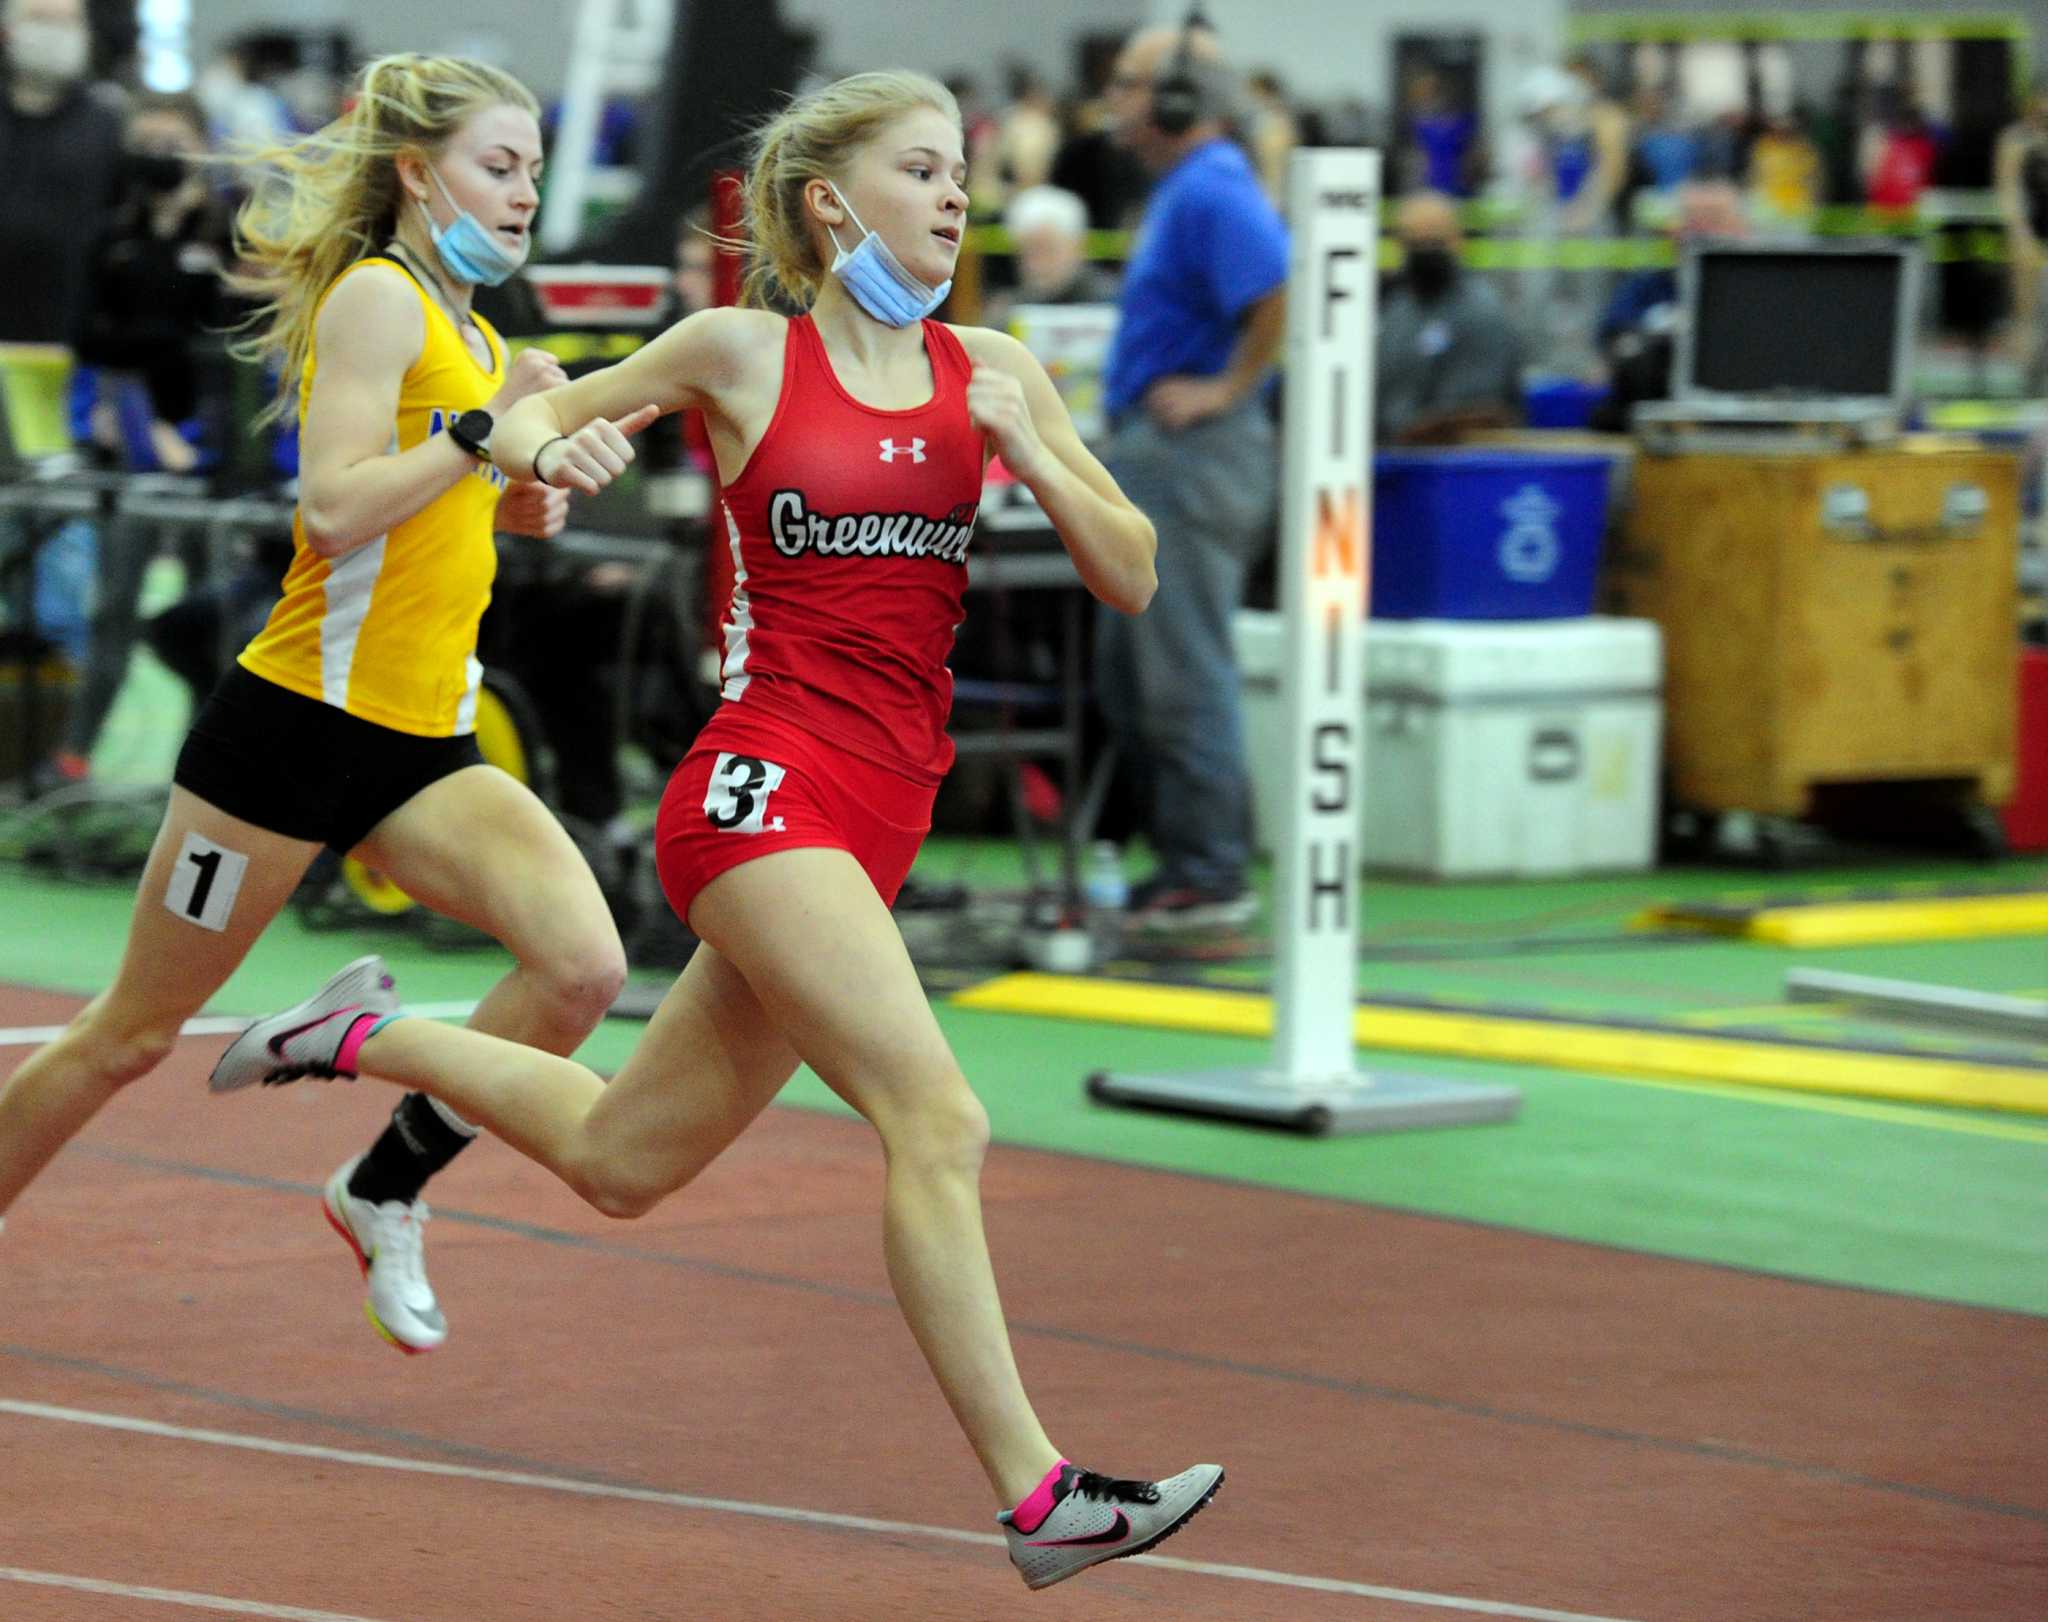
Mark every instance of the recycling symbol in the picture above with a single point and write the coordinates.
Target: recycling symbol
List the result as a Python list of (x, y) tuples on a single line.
[(1529, 547)]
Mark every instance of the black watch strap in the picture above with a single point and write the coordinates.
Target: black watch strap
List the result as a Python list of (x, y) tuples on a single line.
[(472, 431)]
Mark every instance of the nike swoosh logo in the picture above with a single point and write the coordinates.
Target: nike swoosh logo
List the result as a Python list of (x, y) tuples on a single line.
[(277, 1043), (1116, 1534)]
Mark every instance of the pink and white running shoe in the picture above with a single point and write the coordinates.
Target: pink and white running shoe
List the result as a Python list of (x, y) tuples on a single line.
[(1095, 1518), (308, 1039)]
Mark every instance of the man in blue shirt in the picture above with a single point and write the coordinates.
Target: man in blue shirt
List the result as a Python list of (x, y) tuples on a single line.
[(1202, 319)]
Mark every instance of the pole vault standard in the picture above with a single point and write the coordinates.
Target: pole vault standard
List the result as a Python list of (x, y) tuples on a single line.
[(1325, 514)]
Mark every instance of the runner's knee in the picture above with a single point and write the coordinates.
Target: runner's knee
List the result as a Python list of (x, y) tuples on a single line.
[(581, 985), (943, 1130), (622, 1186), (120, 1048)]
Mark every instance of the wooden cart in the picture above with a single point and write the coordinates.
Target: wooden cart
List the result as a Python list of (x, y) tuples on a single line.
[(1830, 618)]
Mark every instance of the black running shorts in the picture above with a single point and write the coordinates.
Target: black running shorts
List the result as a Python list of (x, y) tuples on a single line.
[(295, 766)]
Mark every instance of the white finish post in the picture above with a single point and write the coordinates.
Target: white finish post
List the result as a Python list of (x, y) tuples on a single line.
[(1311, 1082), (1325, 552)]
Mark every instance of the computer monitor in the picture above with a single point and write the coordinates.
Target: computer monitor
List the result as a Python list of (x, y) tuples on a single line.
[(1813, 323)]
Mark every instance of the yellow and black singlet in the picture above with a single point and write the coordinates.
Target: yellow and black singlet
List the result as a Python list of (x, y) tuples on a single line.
[(388, 633)]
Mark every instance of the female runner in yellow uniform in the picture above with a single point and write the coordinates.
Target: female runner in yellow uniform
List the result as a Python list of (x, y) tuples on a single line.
[(348, 720)]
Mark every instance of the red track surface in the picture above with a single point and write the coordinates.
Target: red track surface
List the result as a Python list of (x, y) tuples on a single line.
[(1401, 1402)]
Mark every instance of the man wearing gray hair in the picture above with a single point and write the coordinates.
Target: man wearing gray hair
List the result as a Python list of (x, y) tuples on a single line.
[(1048, 228), (60, 150), (1202, 319)]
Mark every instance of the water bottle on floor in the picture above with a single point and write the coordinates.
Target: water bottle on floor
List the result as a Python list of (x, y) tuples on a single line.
[(1105, 893), (1103, 885)]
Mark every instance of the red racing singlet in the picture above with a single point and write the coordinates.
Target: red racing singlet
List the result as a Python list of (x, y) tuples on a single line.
[(849, 529)]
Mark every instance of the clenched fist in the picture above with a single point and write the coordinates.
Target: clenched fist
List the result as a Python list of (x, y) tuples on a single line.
[(996, 405), (531, 371), (594, 455), (532, 509)]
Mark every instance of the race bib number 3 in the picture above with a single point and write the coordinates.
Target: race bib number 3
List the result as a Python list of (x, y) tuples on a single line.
[(205, 882), (737, 800)]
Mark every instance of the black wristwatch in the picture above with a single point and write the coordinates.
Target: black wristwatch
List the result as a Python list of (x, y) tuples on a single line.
[(472, 431)]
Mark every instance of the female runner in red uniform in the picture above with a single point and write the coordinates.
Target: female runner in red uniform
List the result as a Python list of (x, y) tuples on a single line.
[(851, 442)]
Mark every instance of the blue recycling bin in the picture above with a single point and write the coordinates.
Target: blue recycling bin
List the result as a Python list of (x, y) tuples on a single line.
[(1486, 534)]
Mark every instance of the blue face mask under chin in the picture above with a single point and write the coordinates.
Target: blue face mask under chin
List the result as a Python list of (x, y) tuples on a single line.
[(877, 280), (468, 251)]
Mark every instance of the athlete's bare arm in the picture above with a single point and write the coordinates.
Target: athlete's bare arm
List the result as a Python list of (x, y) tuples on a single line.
[(351, 488), (1013, 402), (726, 363)]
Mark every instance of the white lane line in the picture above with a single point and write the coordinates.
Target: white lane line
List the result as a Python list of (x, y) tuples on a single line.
[(438, 1010), (772, 1512), (173, 1596), (1408, 1596), (34, 1036)]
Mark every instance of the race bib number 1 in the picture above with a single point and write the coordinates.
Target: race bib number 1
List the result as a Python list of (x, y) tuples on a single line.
[(204, 884)]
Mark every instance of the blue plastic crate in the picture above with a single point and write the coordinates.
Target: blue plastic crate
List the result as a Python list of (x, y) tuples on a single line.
[(1486, 534)]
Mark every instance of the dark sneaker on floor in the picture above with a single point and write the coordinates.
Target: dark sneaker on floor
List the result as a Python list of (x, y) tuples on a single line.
[(1163, 907), (1094, 1518)]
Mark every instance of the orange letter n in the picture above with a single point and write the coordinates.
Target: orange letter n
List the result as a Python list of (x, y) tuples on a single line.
[(1339, 536)]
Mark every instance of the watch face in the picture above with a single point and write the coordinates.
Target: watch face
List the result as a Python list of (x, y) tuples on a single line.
[(472, 431)]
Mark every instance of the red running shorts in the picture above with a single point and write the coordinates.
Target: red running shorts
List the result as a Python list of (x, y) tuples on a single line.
[(755, 784)]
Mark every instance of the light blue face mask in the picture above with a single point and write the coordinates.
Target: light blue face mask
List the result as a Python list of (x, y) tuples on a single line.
[(469, 252), (877, 280)]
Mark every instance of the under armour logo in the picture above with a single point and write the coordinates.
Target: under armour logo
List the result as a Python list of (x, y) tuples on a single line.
[(891, 450)]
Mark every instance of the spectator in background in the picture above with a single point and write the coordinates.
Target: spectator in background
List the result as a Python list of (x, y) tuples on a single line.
[(60, 149), (1448, 359), (1443, 140), (1785, 175), (1665, 156), (241, 108), (1590, 151), (153, 285), (1203, 318), (1900, 166), (1638, 333), (2021, 169), (1096, 168), (153, 291), (1273, 133), (1725, 141), (1048, 229), (1028, 133), (1564, 173)]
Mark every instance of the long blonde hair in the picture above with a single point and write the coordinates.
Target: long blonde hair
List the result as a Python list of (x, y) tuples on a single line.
[(812, 139), (323, 202)]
